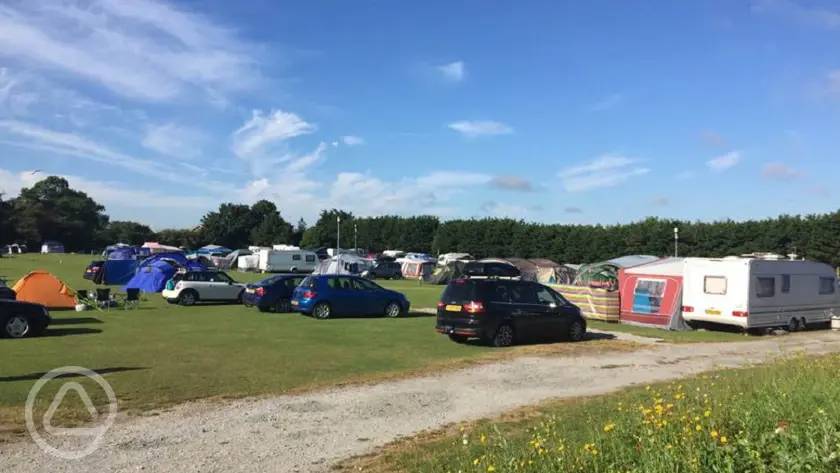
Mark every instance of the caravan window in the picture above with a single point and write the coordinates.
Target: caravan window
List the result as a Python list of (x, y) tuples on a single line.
[(647, 297), (827, 285), (714, 285), (295, 257), (766, 287), (310, 258), (785, 283)]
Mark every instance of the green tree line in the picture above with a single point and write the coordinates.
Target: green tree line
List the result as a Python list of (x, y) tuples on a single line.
[(51, 210)]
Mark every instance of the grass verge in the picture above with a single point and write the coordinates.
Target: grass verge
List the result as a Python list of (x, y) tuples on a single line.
[(779, 417)]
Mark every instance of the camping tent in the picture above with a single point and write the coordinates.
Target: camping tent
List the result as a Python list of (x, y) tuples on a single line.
[(43, 288), (604, 275), (445, 274), (549, 272), (153, 272), (213, 250), (651, 294), (343, 264), (231, 261), (155, 247), (50, 246), (527, 269)]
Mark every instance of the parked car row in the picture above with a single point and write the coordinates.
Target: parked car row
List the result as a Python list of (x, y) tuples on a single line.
[(497, 311)]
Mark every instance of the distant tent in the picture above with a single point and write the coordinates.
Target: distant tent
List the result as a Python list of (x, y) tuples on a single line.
[(343, 264), (527, 269), (43, 288), (153, 272), (231, 261), (604, 275), (445, 274), (417, 268), (52, 247), (213, 250), (155, 247)]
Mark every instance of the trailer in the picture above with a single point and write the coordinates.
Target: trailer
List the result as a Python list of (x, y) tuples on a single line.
[(287, 261), (759, 292)]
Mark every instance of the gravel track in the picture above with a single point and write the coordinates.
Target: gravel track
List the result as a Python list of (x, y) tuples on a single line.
[(310, 432)]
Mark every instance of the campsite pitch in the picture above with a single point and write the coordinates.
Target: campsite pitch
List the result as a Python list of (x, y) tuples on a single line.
[(160, 354)]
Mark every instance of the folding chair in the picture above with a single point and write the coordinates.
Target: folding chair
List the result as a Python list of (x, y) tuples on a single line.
[(103, 297), (132, 298)]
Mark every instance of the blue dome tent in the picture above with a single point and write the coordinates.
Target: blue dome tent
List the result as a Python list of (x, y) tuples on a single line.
[(154, 271)]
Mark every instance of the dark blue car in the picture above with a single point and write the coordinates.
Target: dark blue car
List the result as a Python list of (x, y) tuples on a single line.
[(325, 296), (272, 294)]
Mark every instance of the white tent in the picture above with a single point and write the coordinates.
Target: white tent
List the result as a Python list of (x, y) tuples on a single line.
[(343, 264)]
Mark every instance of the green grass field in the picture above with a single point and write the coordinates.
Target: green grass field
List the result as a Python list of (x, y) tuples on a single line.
[(162, 354), (780, 417)]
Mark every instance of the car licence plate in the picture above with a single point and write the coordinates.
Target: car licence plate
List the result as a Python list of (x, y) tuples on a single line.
[(712, 312), (295, 302), (453, 308)]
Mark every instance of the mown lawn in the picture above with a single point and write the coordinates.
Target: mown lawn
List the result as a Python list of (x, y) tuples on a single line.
[(780, 417), (163, 354)]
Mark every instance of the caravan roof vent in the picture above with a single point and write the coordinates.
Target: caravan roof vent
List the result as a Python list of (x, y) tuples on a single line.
[(764, 256)]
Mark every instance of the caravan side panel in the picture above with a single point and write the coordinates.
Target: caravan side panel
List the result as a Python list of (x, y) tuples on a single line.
[(785, 290)]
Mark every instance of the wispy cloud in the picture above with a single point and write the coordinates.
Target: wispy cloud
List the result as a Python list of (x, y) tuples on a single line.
[(788, 9), (453, 71), (474, 129), (512, 183), (606, 103), (573, 210), (174, 140), (142, 49), (724, 162), (266, 129), (604, 171), (352, 140), (780, 172)]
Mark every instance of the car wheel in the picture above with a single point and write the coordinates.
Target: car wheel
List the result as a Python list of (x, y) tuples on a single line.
[(393, 309), (577, 330), (457, 338), (503, 337), (321, 311), (282, 306), (187, 297), (17, 326)]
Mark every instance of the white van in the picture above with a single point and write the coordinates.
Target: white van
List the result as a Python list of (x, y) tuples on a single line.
[(758, 292), (287, 261)]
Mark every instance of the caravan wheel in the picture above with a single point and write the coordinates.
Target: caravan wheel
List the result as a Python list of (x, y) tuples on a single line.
[(793, 325)]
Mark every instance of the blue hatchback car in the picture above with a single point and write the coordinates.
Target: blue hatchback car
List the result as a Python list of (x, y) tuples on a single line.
[(324, 296), (272, 294)]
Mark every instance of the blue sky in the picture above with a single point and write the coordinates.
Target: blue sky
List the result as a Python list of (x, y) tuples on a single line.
[(570, 112)]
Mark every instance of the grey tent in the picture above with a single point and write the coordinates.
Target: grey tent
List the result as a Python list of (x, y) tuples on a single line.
[(231, 260)]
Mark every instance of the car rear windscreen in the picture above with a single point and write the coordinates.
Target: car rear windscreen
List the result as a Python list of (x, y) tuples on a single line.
[(462, 290)]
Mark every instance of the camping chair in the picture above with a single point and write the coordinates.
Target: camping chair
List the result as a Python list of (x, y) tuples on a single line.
[(103, 297), (131, 299)]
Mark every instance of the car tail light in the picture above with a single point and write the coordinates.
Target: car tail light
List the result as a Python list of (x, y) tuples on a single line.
[(687, 308), (441, 304), (309, 294), (474, 307), (740, 313), (260, 291)]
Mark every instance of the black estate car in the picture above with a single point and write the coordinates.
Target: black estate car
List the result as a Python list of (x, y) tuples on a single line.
[(502, 312), (22, 319), (384, 270)]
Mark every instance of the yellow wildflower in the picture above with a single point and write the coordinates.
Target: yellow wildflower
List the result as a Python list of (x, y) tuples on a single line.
[(609, 427)]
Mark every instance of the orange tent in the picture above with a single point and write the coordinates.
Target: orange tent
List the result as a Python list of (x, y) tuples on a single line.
[(43, 288)]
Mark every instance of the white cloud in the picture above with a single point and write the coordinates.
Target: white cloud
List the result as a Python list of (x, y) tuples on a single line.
[(604, 171), (473, 129), (142, 49), (724, 162), (352, 140), (69, 144), (780, 171), (454, 71), (174, 140), (606, 103), (264, 130)]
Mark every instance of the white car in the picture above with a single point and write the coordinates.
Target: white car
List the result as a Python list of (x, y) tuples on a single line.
[(194, 286)]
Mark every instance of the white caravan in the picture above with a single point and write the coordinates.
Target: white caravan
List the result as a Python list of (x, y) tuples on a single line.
[(287, 261), (758, 292)]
